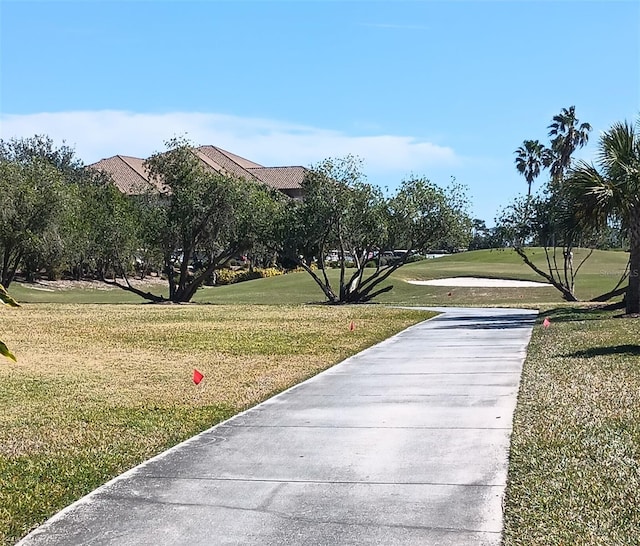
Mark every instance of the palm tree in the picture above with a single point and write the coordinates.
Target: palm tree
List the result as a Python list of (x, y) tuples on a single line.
[(568, 135), (611, 190), (532, 156)]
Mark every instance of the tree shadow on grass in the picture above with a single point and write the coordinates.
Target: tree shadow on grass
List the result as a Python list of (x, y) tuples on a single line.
[(631, 350), (576, 314)]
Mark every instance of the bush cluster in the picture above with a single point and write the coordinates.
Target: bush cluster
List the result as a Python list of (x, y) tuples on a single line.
[(299, 268), (230, 276)]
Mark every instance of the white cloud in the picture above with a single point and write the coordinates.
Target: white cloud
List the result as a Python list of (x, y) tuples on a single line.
[(99, 134)]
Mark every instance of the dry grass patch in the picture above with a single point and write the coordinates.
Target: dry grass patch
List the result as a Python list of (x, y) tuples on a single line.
[(99, 388), (574, 473)]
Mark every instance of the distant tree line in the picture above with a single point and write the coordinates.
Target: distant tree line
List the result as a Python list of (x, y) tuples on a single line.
[(60, 219)]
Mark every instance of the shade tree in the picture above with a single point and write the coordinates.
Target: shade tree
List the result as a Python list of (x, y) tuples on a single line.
[(198, 221), (31, 197), (366, 235)]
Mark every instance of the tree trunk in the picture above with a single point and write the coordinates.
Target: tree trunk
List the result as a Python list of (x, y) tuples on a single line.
[(324, 286), (364, 292), (567, 295), (633, 290), (146, 295), (170, 273), (185, 294), (10, 265)]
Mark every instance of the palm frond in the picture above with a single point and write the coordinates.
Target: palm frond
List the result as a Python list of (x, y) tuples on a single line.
[(594, 196)]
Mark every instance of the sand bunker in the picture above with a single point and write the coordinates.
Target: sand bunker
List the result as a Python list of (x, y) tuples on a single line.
[(473, 282)]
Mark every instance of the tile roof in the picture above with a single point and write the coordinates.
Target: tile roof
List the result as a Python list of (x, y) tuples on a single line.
[(128, 173), (280, 178), (243, 162), (131, 177), (226, 162)]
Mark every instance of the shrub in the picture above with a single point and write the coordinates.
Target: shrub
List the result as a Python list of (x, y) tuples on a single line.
[(269, 272), (299, 268), (229, 276)]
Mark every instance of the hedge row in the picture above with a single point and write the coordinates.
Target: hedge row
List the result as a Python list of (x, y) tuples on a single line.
[(230, 276)]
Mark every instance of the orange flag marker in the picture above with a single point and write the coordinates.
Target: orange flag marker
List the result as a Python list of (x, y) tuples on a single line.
[(197, 376), (546, 322)]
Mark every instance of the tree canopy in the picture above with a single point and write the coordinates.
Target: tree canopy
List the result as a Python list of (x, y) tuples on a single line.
[(58, 217), (31, 200), (610, 191), (347, 222), (549, 218), (200, 221)]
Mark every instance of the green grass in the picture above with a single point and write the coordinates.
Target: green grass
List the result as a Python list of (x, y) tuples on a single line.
[(599, 275), (574, 472), (84, 292), (100, 388)]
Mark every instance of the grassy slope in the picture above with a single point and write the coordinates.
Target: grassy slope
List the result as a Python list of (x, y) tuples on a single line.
[(574, 472), (97, 293), (599, 274), (99, 388)]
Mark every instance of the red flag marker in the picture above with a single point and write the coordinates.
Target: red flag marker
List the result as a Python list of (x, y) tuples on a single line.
[(197, 376), (546, 322), (352, 327)]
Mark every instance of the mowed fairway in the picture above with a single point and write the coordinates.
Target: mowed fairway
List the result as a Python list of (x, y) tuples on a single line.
[(99, 388), (599, 274)]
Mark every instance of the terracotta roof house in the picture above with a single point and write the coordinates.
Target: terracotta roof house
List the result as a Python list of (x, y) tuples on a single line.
[(128, 173), (132, 178)]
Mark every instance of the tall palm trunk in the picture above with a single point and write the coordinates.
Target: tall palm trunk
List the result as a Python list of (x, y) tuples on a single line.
[(633, 291)]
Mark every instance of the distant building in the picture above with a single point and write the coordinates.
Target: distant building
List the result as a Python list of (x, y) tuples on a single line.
[(131, 177)]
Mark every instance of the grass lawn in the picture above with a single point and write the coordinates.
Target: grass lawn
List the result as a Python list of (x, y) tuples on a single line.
[(100, 388), (102, 384), (599, 274), (574, 472)]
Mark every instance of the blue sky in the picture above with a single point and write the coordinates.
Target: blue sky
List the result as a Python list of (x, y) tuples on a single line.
[(429, 88)]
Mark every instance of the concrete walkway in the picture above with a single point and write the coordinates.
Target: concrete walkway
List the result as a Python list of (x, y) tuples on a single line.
[(404, 443)]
